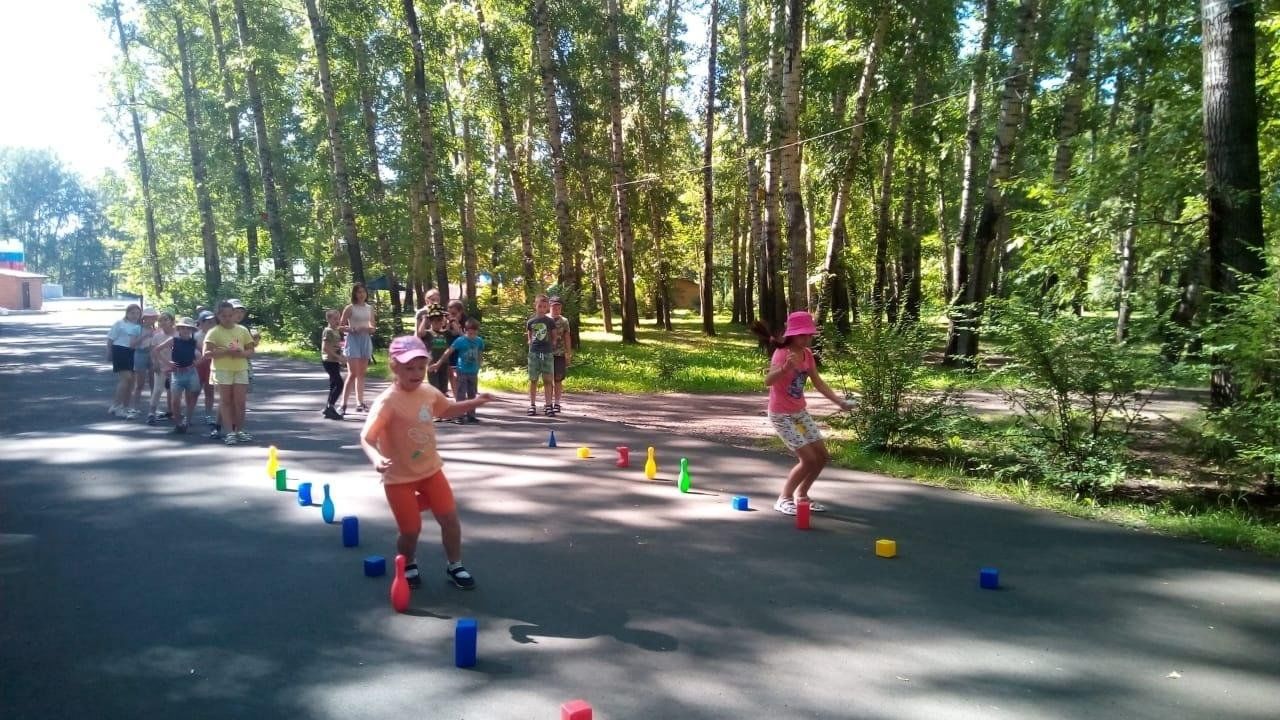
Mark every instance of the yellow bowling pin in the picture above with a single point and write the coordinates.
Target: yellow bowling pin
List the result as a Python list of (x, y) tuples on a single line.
[(651, 466), (273, 462)]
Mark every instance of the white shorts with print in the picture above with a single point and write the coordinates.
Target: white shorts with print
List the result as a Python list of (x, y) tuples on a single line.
[(796, 429)]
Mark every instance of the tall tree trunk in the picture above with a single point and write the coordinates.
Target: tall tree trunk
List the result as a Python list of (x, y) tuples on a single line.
[(559, 180), (755, 232), (470, 262), (948, 290), (836, 279), (750, 274), (1076, 86), (377, 191), (140, 153), (1232, 178), (598, 255), (283, 268), (708, 196), (1007, 128), (524, 211), (735, 265), (772, 162), (199, 172), (909, 251), (622, 212), (337, 148), (426, 137), (963, 248), (884, 214), (1143, 107), (658, 194), (792, 199), (462, 168), (246, 210)]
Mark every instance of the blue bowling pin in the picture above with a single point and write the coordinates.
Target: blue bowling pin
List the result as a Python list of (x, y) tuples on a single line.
[(326, 510)]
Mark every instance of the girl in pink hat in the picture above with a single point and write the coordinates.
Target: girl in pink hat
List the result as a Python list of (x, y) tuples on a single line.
[(790, 367)]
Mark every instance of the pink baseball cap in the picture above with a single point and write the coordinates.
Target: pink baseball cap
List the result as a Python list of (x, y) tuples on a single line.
[(407, 347), (800, 323)]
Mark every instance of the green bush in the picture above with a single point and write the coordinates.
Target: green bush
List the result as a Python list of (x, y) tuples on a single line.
[(1246, 341), (503, 330), (887, 363), (1076, 395)]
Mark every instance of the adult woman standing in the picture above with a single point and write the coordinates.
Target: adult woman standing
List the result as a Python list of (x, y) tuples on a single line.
[(358, 322)]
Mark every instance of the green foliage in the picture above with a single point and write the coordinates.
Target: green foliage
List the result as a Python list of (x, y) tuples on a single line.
[(1077, 396), (1247, 341), (887, 363), (503, 330)]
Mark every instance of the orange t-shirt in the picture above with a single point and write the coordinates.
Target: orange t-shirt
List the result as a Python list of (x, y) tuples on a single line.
[(400, 425)]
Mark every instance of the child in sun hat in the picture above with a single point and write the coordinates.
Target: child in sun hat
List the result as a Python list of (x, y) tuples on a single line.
[(179, 354), (791, 365), (399, 438)]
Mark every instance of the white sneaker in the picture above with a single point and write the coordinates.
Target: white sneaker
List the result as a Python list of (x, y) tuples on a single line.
[(130, 413), (786, 506)]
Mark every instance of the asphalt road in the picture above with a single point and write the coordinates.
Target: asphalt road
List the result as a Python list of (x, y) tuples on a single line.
[(145, 575)]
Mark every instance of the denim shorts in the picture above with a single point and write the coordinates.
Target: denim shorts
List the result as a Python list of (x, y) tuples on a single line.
[(186, 379), (141, 360), (359, 346)]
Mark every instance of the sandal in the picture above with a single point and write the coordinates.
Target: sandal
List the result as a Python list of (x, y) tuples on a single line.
[(785, 506), (460, 577), (532, 411), (813, 506)]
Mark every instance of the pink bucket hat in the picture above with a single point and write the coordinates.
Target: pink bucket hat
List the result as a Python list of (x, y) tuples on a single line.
[(407, 347), (800, 323)]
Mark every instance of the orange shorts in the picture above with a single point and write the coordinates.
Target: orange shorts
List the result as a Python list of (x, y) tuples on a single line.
[(409, 500)]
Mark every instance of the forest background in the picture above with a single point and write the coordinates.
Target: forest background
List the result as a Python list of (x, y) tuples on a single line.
[(1069, 204)]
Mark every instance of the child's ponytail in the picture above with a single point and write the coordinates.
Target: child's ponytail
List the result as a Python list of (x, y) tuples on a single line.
[(769, 341)]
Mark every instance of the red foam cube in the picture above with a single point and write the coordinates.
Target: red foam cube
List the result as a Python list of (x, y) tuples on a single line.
[(575, 710)]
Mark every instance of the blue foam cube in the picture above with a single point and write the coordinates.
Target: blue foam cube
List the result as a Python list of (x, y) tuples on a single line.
[(464, 643), (989, 578), (740, 502), (375, 566), (304, 494)]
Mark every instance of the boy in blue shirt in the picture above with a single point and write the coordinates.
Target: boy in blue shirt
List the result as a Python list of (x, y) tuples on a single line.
[(467, 347)]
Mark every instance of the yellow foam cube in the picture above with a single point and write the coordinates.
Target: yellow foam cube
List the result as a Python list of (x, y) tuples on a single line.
[(584, 453), (886, 548)]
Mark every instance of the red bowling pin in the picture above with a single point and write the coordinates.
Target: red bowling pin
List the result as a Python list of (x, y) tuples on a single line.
[(400, 587)]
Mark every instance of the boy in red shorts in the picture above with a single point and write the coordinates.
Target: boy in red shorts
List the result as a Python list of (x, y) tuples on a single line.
[(399, 437)]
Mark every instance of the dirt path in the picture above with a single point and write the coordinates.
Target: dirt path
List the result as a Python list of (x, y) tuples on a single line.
[(740, 419)]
